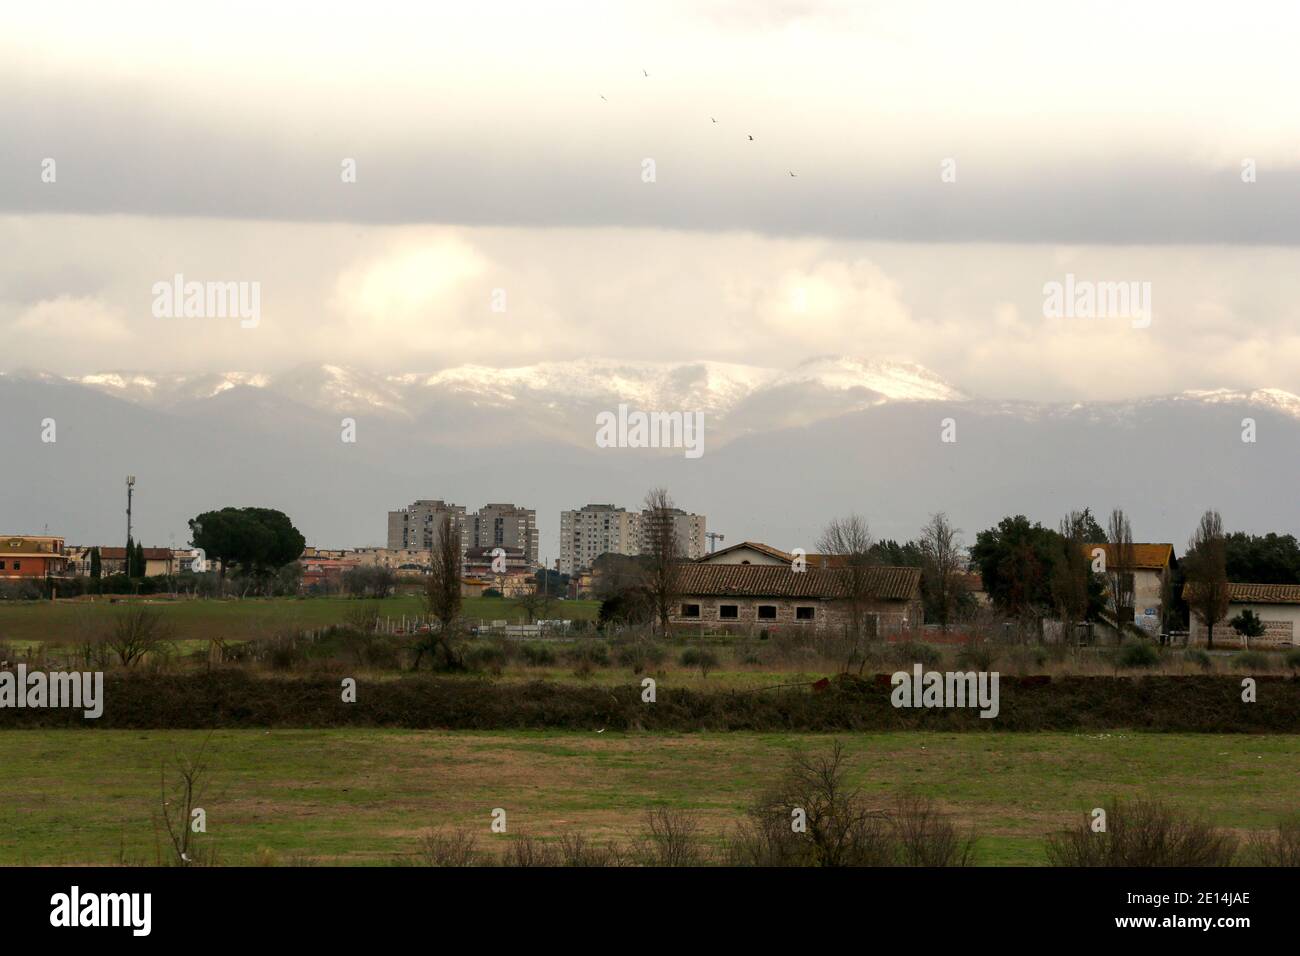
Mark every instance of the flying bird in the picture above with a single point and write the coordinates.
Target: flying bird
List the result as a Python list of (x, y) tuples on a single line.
[(643, 71), (713, 118), (792, 173), (602, 96), (751, 137)]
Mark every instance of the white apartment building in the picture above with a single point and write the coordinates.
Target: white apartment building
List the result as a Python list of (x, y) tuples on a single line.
[(598, 529)]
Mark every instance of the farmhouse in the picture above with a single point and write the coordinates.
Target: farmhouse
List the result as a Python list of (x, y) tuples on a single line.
[(1277, 605), (773, 595), (1150, 565)]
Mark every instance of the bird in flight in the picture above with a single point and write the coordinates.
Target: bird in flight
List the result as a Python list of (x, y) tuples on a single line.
[(602, 96), (714, 118), (751, 137), (792, 174), (643, 71)]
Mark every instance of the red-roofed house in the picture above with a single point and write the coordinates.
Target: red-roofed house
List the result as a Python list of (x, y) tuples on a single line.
[(773, 594)]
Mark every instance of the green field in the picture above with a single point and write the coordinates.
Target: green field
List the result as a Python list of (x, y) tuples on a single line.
[(364, 796), (25, 622)]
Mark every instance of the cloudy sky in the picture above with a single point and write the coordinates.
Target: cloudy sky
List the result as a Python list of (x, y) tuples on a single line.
[(505, 146)]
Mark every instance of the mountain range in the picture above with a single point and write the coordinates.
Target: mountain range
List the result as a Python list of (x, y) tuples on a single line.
[(785, 449)]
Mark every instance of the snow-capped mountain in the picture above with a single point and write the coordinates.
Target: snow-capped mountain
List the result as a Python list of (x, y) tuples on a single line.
[(555, 397), (711, 387), (784, 450)]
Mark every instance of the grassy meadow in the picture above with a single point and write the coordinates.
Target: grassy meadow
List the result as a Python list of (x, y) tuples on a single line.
[(24, 623), (366, 796)]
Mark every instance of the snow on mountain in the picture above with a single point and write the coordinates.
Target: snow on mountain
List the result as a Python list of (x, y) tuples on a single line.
[(715, 388), (739, 399), (896, 381), (1271, 398)]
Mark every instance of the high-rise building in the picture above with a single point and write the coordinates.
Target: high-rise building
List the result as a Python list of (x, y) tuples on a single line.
[(508, 527), (418, 527), (690, 532), (596, 529)]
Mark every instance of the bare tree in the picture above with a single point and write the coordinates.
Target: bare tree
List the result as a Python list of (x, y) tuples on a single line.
[(137, 631), (943, 559), (1119, 569), (1071, 573), (849, 541), (1206, 571), (663, 554), (179, 801), (442, 599), (535, 602)]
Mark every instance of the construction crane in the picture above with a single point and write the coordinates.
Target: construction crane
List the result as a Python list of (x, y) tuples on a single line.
[(714, 538)]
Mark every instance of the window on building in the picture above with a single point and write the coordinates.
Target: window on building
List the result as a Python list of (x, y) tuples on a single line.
[(767, 612), (690, 610), (803, 613), (728, 611), (2, 565), (18, 565)]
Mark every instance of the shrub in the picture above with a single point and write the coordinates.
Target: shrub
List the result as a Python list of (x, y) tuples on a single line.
[(839, 826), (1143, 833), (1137, 654), (482, 656), (537, 654), (924, 837), (137, 631), (1198, 657), (591, 653), (367, 647), (978, 657), (1029, 658), (525, 851), (914, 652), (1251, 661), (1292, 660), (1277, 847), (700, 657), (671, 838), (576, 850), (443, 848), (19, 591), (640, 655), (284, 651)]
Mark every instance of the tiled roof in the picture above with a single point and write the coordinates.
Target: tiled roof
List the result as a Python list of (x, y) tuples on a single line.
[(754, 580), (1264, 593), (1147, 557), (754, 546), (150, 554)]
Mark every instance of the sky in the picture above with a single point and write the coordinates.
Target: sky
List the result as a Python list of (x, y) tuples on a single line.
[(948, 161)]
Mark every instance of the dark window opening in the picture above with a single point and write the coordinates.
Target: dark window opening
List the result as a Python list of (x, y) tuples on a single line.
[(728, 611), (690, 610), (804, 613), (767, 612)]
